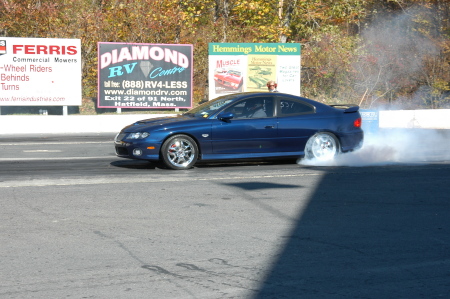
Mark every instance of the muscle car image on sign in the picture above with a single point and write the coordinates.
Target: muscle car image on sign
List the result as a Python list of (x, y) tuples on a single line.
[(231, 78), (251, 125)]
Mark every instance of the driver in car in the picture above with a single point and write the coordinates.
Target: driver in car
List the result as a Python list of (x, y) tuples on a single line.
[(255, 109)]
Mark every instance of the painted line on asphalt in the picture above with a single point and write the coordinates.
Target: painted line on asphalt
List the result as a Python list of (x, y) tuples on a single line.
[(103, 181), (42, 151), (57, 143), (53, 159)]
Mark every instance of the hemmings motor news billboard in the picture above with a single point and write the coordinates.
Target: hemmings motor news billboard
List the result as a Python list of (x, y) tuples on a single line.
[(144, 75), (241, 67), (40, 72)]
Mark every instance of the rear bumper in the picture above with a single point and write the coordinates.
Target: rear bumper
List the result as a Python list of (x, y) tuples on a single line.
[(351, 142)]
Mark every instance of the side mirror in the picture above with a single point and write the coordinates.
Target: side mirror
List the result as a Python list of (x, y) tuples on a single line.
[(225, 116)]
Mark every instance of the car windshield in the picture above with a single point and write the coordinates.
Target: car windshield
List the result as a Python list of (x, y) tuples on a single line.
[(210, 107)]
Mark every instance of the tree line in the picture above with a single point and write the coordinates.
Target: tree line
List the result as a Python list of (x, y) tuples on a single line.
[(375, 53)]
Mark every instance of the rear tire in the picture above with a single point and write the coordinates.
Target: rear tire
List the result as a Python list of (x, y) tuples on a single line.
[(322, 146), (179, 152)]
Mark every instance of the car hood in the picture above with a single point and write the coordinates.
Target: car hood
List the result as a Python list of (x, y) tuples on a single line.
[(231, 78), (160, 122)]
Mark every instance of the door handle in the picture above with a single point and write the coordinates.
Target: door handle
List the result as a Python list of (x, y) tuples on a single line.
[(269, 127)]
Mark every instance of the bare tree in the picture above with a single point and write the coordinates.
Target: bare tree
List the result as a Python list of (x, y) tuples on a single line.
[(285, 21)]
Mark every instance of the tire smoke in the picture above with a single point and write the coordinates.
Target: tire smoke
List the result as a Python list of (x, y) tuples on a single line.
[(394, 146)]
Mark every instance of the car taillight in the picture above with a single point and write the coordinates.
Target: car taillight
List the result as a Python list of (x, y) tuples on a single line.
[(357, 123)]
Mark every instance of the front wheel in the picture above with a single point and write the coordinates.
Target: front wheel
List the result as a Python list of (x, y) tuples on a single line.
[(322, 146), (179, 152)]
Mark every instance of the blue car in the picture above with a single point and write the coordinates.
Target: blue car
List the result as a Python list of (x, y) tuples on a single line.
[(251, 125)]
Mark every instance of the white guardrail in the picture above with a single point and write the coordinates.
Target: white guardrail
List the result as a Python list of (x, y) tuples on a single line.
[(72, 124), (418, 119), (56, 124)]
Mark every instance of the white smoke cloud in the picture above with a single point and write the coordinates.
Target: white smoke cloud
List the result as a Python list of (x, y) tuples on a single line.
[(394, 147), (396, 55)]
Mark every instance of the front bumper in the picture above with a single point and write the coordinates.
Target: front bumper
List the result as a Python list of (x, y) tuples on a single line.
[(136, 149)]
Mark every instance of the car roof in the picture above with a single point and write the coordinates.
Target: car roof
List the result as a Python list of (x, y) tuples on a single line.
[(320, 107), (243, 95)]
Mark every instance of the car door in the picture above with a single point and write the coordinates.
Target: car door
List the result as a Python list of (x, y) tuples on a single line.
[(253, 129), (295, 123)]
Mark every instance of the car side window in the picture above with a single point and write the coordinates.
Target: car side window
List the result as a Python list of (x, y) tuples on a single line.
[(291, 107), (258, 107), (237, 109)]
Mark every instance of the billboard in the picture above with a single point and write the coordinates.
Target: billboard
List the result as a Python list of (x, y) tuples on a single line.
[(146, 76), (235, 67), (40, 72)]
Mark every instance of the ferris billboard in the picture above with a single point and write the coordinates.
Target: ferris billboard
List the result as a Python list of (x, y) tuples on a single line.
[(40, 72)]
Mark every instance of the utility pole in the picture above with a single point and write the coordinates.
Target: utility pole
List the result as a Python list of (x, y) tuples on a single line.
[(280, 17), (280, 9)]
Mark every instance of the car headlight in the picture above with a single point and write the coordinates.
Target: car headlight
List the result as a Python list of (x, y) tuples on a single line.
[(138, 135)]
